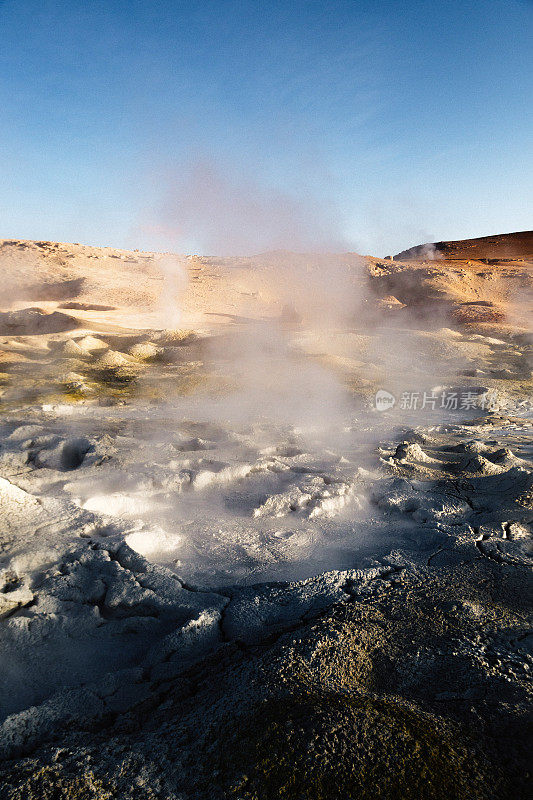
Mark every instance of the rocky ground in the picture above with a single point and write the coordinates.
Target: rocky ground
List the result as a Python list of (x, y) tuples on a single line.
[(224, 572)]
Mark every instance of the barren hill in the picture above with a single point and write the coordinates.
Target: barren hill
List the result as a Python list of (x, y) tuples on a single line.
[(503, 246)]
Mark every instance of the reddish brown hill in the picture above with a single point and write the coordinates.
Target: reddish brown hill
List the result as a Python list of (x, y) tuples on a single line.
[(501, 247)]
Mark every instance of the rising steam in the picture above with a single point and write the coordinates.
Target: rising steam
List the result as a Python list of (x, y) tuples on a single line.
[(225, 212)]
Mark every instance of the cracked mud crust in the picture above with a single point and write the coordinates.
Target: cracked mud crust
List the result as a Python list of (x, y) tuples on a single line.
[(415, 689)]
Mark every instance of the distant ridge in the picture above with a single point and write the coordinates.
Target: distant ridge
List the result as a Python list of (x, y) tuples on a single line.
[(500, 247)]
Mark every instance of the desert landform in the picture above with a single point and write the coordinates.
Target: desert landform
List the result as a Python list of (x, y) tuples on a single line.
[(505, 247), (265, 523)]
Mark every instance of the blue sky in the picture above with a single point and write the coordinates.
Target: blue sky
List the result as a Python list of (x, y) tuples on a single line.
[(358, 125)]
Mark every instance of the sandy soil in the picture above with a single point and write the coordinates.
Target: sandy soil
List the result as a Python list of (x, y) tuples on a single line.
[(225, 571)]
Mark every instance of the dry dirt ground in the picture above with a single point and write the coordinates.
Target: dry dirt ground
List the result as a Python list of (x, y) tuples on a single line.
[(224, 572)]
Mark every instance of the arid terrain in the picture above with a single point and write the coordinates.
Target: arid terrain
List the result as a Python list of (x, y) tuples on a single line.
[(266, 523), (504, 247)]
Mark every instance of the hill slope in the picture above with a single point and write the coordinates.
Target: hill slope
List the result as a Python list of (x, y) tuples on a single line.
[(503, 246)]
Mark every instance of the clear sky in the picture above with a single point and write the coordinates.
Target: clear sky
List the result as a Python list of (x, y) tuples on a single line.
[(228, 124)]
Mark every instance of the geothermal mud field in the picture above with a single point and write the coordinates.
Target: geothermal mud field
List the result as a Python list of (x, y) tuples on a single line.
[(265, 525)]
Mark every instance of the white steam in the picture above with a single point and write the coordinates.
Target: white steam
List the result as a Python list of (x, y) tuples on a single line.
[(174, 271), (224, 212)]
